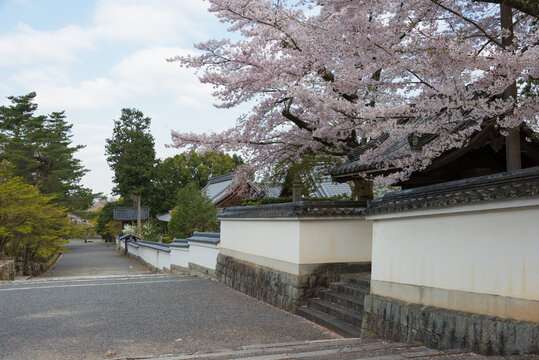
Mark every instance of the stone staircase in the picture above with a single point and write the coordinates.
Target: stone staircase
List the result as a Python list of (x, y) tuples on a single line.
[(340, 308)]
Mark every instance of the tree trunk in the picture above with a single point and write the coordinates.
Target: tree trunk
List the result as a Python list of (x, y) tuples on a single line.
[(512, 140), (139, 225), (297, 188), (361, 189)]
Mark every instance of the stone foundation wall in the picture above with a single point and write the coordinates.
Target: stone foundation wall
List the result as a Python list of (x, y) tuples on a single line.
[(445, 329), (7, 270), (177, 269), (281, 289), (34, 268), (198, 270)]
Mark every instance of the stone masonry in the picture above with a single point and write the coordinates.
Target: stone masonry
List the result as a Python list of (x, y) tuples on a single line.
[(281, 289), (445, 329), (7, 270)]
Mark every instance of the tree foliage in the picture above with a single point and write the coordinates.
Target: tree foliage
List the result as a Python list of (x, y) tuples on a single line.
[(106, 227), (32, 226), (193, 212), (39, 147), (176, 172), (327, 76), (130, 154)]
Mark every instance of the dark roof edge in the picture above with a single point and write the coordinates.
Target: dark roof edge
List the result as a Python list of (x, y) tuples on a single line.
[(207, 234), (220, 178), (507, 185), (205, 237), (296, 209), (155, 245)]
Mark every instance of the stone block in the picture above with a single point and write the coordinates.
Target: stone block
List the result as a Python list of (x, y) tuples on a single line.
[(525, 339), (506, 337), (394, 313), (474, 332), (488, 342), (377, 305), (367, 304), (403, 316), (386, 309), (7, 270)]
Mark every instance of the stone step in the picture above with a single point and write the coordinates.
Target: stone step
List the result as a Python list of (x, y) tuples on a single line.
[(329, 322), (349, 289), (335, 349), (362, 280), (348, 301), (337, 311)]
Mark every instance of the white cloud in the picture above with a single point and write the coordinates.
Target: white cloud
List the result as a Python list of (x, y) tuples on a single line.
[(29, 46), (147, 71), (87, 95), (135, 22), (115, 21)]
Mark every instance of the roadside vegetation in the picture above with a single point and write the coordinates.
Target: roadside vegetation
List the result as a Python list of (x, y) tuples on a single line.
[(40, 183), (32, 225)]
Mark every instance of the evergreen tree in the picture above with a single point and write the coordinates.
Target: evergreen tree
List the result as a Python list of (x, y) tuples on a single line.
[(39, 147), (18, 128), (131, 156), (193, 212)]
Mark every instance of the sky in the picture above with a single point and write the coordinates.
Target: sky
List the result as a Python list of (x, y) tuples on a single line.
[(93, 58)]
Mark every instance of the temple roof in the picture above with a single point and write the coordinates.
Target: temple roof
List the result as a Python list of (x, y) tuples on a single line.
[(483, 154)]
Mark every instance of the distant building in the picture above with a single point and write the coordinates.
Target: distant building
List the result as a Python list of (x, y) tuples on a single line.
[(128, 214), (324, 188), (222, 194)]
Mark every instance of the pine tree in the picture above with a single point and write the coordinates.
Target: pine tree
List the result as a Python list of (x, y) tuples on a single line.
[(131, 156), (40, 149)]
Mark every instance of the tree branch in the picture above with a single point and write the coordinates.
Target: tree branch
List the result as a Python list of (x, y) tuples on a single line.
[(470, 21), (305, 126), (530, 7)]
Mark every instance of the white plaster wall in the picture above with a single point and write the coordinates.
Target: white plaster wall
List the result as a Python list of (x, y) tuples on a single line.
[(203, 254), (164, 260), (149, 255), (489, 251), (285, 244), (272, 238), (132, 250), (179, 256), (335, 240)]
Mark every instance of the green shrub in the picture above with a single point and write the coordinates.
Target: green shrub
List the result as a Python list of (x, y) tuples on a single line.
[(166, 239), (193, 212)]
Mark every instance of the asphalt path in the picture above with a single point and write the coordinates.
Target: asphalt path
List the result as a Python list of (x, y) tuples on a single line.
[(84, 317), (93, 258), (72, 313)]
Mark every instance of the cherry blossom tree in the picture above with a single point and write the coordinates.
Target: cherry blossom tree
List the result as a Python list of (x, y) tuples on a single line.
[(326, 76)]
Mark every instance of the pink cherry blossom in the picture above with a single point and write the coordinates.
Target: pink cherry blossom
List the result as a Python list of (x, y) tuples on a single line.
[(327, 75)]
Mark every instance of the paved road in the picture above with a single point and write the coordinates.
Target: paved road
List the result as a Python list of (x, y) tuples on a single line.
[(136, 315), (95, 300), (95, 258)]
